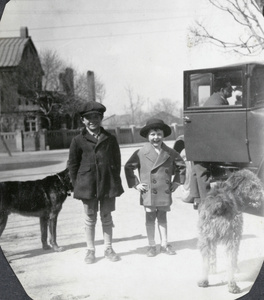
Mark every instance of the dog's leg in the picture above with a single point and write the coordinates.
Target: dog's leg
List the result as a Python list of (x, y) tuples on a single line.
[(232, 252), (205, 249), (44, 232), (53, 233), (3, 221), (213, 258), (237, 240)]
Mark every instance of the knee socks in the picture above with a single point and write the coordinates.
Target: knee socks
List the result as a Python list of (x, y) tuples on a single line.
[(163, 234), (107, 225), (150, 227), (90, 235), (162, 225)]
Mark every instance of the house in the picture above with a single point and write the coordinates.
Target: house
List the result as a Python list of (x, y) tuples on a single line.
[(167, 117), (117, 121), (20, 79)]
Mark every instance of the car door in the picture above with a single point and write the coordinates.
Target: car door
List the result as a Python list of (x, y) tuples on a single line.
[(216, 133)]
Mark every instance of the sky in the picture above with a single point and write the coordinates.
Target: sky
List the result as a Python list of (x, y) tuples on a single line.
[(136, 44)]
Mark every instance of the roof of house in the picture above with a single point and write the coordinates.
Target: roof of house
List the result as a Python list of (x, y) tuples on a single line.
[(11, 50)]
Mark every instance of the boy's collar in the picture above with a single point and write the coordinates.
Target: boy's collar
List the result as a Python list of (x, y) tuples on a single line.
[(157, 149), (148, 146), (96, 135)]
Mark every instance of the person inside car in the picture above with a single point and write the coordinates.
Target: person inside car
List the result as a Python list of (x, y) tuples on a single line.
[(223, 91), (238, 95)]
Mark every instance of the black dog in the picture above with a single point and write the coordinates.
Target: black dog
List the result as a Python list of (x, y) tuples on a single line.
[(41, 198)]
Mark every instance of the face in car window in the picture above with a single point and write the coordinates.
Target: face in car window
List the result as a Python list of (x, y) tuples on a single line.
[(228, 90)]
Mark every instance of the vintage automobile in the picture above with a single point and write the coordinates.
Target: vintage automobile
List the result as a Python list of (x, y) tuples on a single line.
[(229, 137)]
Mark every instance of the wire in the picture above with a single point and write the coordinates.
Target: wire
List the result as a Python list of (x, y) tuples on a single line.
[(98, 24), (106, 36), (91, 12)]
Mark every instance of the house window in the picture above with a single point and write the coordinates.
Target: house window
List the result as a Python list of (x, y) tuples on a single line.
[(31, 124)]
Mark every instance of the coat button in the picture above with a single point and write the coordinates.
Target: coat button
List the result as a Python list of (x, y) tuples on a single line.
[(167, 192), (166, 171), (167, 181), (154, 191), (154, 181)]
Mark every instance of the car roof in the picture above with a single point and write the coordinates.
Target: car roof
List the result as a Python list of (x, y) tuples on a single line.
[(235, 66)]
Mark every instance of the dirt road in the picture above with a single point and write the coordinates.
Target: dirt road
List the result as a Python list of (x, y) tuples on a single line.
[(49, 275)]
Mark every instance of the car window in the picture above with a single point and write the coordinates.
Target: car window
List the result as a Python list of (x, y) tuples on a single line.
[(202, 86)]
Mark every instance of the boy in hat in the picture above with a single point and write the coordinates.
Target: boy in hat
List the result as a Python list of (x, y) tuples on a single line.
[(94, 164), (156, 164)]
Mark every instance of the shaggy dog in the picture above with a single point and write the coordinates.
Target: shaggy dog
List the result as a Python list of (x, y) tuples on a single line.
[(41, 198), (221, 221)]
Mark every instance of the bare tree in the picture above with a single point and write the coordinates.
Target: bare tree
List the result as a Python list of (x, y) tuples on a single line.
[(81, 87), (135, 106), (248, 14), (167, 110), (55, 79), (52, 66), (74, 100), (99, 89), (165, 105)]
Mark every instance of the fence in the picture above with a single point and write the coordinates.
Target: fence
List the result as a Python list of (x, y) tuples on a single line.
[(20, 141)]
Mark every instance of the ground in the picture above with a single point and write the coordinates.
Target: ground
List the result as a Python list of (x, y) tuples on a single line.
[(49, 275)]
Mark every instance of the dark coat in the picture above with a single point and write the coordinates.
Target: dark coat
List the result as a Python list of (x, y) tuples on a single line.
[(156, 171), (95, 166), (216, 99)]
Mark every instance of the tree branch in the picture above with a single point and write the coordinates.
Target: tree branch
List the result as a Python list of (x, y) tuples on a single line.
[(245, 14)]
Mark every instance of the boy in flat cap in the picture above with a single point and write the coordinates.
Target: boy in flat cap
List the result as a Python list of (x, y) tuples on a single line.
[(94, 164), (156, 164)]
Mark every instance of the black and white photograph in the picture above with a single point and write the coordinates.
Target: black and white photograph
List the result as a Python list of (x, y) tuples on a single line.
[(131, 149)]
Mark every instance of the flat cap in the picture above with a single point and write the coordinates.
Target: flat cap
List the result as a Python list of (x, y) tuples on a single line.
[(92, 107)]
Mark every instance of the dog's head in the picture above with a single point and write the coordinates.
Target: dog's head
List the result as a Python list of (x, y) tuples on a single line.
[(248, 187), (65, 178)]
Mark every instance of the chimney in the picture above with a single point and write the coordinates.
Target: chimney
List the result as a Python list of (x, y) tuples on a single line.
[(67, 82), (91, 86), (24, 32)]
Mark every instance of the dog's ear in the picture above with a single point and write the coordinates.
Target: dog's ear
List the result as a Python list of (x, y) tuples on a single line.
[(234, 181)]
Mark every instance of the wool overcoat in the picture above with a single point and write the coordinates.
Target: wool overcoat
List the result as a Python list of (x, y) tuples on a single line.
[(157, 172), (95, 166), (216, 99)]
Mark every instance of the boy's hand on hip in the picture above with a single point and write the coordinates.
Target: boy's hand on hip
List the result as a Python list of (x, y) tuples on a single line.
[(174, 186), (142, 187)]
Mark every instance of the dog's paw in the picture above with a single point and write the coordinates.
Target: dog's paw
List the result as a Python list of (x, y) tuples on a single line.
[(233, 288), (203, 283)]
